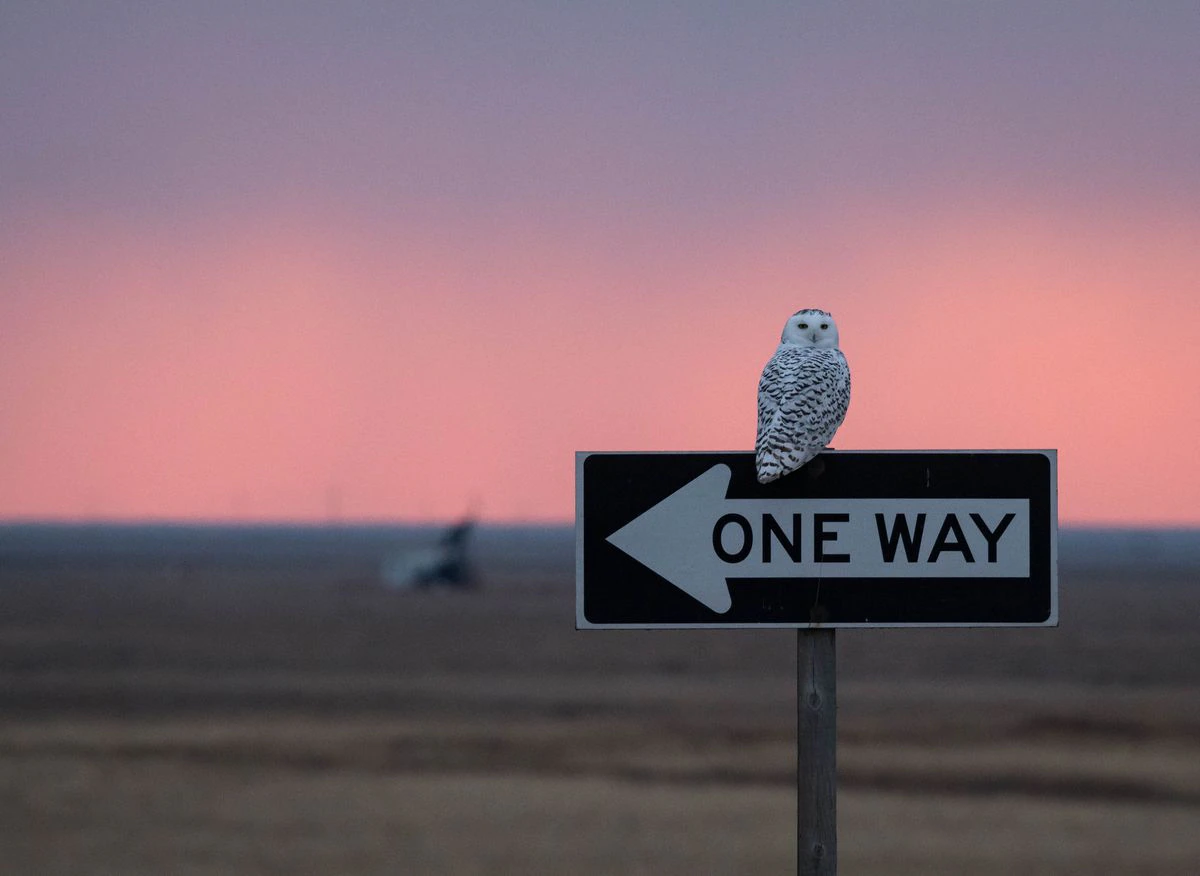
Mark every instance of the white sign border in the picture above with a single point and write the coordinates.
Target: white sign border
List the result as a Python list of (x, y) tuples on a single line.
[(582, 623)]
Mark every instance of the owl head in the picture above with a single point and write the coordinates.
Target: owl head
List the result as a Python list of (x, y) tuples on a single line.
[(810, 328)]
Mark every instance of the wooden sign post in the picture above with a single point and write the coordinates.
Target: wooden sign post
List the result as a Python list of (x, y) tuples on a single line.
[(816, 752)]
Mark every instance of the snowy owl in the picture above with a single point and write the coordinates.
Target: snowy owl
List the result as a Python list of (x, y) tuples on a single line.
[(802, 395)]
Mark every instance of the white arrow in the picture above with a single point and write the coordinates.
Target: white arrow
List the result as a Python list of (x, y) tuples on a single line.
[(676, 538)]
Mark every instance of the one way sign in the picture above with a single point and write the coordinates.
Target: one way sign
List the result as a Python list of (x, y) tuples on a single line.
[(854, 539)]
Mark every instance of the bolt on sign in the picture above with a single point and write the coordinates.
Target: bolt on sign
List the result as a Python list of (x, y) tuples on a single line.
[(853, 539)]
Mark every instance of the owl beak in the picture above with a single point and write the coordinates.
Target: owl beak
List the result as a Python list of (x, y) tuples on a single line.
[(813, 335)]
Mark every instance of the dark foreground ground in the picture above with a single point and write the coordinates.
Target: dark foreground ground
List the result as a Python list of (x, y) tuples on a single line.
[(226, 721)]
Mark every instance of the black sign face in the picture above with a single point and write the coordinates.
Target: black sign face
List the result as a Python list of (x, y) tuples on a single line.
[(853, 539)]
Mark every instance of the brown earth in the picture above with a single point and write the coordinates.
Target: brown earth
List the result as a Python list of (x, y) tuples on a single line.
[(225, 721)]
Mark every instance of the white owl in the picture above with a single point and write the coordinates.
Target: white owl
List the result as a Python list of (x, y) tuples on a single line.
[(802, 396)]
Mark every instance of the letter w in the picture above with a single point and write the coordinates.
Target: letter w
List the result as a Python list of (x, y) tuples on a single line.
[(889, 541)]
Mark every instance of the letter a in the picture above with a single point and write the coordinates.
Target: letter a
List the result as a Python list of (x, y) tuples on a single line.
[(959, 544)]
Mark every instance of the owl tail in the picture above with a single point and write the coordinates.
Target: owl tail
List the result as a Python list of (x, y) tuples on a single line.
[(767, 467), (771, 465)]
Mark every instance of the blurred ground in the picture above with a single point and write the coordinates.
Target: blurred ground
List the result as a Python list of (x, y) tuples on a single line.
[(205, 721)]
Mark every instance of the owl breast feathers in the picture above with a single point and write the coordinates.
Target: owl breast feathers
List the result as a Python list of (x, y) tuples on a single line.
[(803, 396)]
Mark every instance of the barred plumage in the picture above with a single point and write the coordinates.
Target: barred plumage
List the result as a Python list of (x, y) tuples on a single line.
[(803, 395)]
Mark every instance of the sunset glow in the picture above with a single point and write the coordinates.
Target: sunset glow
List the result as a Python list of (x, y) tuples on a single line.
[(309, 353)]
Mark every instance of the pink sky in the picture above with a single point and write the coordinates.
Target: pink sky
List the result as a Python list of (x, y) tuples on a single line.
[(396, 263), (276, 372)]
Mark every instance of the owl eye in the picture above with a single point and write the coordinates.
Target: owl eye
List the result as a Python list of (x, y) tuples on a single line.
[(803, 325), (824, 325)]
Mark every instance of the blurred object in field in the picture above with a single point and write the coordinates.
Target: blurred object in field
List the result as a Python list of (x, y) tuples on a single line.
[(444, 564)]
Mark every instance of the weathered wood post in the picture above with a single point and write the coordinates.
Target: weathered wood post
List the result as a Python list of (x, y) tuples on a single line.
[(816, 752)]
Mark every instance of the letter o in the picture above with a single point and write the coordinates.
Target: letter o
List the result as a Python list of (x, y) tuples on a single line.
[(747, 538)]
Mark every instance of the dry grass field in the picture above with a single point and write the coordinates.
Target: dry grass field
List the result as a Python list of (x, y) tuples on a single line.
[(238, 722)]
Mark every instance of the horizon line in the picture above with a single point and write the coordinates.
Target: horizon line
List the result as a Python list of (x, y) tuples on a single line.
[(566, 523)]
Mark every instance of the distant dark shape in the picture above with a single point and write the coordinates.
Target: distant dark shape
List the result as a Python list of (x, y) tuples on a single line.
[(442, 565), (452, 569)]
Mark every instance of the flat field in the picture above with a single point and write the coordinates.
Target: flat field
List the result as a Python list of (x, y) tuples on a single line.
[(225, 721)]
